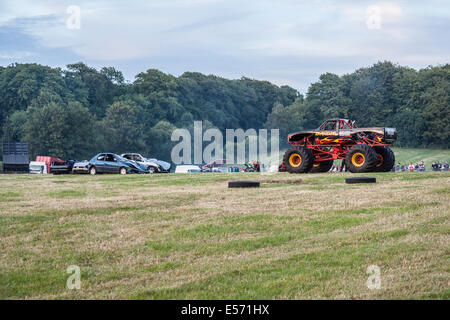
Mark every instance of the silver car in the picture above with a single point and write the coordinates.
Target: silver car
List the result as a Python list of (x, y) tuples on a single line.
[(152, 165)]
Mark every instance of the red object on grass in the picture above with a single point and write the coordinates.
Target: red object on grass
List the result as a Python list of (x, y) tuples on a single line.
[(48, 161)]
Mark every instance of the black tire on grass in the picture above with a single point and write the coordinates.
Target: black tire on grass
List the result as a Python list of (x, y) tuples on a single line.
[(243, 184), (360, 180)]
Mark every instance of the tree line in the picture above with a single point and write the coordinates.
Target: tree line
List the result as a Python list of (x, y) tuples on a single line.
[(78, 111)]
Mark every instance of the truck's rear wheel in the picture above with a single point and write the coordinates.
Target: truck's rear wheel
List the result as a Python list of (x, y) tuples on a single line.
[(323, 166), (361, 158), (385, 159), (298, 160)]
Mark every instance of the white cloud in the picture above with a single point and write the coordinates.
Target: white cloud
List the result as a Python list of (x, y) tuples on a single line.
[(202, 33), (15, 54)]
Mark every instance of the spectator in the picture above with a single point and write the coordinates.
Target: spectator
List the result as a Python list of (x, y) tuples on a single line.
[(397, 167), (445, 166), (411, 167), (422, 166), (342, 168), (416, 167), (436, 166)]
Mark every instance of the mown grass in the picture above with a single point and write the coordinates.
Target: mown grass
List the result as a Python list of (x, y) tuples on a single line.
[(410, 155), (189, 236)]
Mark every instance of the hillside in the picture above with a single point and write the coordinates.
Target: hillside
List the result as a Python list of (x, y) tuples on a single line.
[(407, 155)]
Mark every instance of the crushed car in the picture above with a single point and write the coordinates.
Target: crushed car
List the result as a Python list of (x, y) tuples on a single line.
[(61, 167), (81, 167), (113, 163), (48, 160), (152, 165)]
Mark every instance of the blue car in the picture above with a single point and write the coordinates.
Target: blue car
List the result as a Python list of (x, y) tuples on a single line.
[(113, 163)]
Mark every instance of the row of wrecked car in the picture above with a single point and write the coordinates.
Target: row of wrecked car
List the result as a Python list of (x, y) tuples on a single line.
[(101, 163)]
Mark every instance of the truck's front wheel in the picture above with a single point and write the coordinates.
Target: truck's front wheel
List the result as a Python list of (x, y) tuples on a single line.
[(298, 160), (361, 158)]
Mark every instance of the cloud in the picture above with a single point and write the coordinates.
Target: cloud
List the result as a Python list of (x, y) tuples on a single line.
[(285, 40), (15, 54)]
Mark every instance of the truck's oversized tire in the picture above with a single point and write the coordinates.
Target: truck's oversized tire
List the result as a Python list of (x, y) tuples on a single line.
[(361, 158), (243, 184), (323, 166), (298, 160), (385, 160), (361, 180)]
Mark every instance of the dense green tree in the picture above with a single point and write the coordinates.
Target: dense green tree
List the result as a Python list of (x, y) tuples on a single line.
[(101, 87), (123, 129), (14, 126), (59, 130), (158, 140)]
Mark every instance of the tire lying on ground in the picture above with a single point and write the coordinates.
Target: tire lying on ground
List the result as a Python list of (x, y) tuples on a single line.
[(243, 184), (360, 180), (298, 160), (323, 166), (361, 158), (385, 160)]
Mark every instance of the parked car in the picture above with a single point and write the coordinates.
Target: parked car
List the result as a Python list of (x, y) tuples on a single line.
[(81, 167), (113, 163), (38, 167), (187, 169), (152, 165), (58, 167)]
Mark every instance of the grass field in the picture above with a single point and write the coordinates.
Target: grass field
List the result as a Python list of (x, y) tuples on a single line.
[(406, 156), (189, 236)]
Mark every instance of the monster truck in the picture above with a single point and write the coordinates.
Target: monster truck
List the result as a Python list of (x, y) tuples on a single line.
[(363, 149)]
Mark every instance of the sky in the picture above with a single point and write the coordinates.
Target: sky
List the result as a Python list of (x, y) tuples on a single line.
[(287, 42)]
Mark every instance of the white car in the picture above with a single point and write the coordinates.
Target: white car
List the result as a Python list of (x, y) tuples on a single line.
[(187, 169), (152, 165), (37, 167)]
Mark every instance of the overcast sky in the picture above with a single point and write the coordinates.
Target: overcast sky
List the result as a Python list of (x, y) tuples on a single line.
[(284, 41)]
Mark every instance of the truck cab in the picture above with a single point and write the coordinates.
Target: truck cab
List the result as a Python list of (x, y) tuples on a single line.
[(38, 167)]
